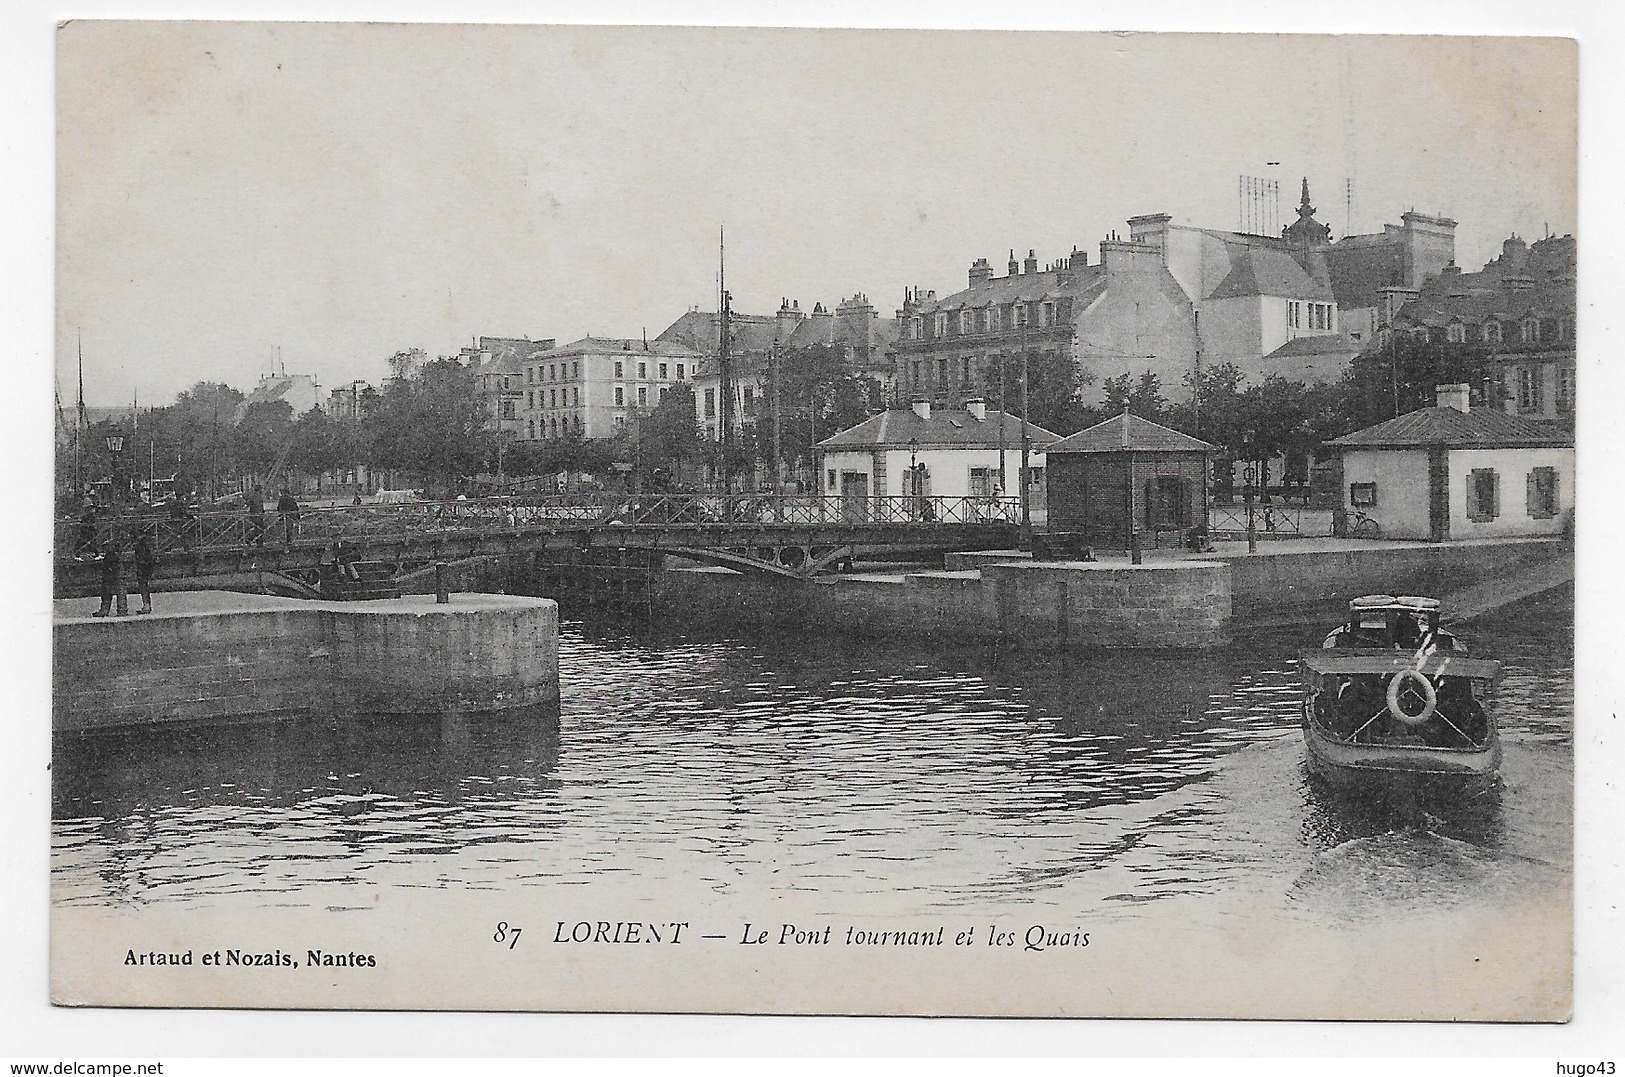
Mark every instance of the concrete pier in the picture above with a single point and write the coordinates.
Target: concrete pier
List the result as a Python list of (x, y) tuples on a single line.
[(217, 655)]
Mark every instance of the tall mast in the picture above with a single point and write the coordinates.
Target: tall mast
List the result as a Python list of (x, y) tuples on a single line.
[(79, 423), (725, 360)]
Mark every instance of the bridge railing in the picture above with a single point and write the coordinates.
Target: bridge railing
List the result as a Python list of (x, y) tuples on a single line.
[(360, 524)]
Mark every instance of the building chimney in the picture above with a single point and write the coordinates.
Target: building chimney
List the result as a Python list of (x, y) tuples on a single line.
[(922, 407), (977, 408), (980, 272), (1015, 266), (1456, 396), (1031, 264)]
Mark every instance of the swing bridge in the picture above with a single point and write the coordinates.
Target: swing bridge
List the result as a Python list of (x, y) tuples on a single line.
[(792, 536)]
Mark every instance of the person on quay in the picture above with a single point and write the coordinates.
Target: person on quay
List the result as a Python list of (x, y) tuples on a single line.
[(287, 507), (112, 577), (256, 516), (144, 560)]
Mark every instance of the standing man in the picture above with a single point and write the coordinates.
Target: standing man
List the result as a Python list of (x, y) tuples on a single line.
[(144, 560), (256, 516), (112, 578), (287, 507)]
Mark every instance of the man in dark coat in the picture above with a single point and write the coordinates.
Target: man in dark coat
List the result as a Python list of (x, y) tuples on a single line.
[(112, 577), (287, 507), (256, 516)]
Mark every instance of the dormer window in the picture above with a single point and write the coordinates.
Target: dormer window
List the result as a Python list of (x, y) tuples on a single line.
[(1529, 331), (966, 322), (1018, 315), (1456, 333), (941, 327), (1046, 314), (1492, 332)]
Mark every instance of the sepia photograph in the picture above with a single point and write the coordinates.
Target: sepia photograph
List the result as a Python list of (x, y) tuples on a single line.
[(767, 520)]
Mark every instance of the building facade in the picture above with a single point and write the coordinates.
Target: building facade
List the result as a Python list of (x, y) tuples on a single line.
[(1123, 315), (1449, 472), (592, 387), (1520, 308), (1263, 303), (934, 452)]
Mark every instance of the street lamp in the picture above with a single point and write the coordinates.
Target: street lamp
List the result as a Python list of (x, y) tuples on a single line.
[(115, 446)]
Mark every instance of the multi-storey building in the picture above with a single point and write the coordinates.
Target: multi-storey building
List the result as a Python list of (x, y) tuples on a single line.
[(590, 387), (1126, 314), (1520, 308), (1264, 303), (298, 391), (350, 400), (499, 364), (865, 341)]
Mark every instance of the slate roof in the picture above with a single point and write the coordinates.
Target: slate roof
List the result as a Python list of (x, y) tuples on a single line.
[(1084, 283), (1130, 433), (1453, 429), (945, 429), (1359, 272), (1326, 344), (1264, 267)]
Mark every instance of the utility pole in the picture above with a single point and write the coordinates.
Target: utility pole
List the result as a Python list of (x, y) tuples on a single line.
[(1026, 447)]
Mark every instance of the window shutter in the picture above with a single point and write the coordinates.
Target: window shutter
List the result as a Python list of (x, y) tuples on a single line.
[(1495, 494), (1532, 495), (1475, 511), (1554, 503)]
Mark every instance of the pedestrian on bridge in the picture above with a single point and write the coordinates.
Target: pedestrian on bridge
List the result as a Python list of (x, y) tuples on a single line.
[(287, 507), (256, 516)]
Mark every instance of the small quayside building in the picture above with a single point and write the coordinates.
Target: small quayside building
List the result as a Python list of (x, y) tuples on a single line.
[(1448, 472)]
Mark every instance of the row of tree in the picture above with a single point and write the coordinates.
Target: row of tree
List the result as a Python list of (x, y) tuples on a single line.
[(430, 423)]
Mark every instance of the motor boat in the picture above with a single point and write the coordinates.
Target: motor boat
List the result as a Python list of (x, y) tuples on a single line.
[(1392, 698)]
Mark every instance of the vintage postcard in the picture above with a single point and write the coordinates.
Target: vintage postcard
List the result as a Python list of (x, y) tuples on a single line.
[(808, 521)]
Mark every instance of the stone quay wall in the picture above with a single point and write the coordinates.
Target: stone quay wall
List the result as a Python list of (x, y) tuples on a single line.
[(1269, 585), (1045, 605), (245, 656)]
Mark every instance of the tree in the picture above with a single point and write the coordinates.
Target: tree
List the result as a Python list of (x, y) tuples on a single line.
[(1402, 375), (431, 424), (319, 445), (264, 438), (817, 395), (670, 435)]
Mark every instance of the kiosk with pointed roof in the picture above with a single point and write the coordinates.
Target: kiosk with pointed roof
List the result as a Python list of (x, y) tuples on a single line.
[(1128, 480)]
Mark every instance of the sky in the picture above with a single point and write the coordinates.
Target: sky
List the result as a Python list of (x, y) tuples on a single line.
[(232, 196)]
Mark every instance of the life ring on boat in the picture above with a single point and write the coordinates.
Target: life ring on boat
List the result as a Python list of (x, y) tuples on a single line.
[(1430, 697)]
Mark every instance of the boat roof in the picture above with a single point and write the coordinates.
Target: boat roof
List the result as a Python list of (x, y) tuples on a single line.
[(1410, 603), (1433, 664)]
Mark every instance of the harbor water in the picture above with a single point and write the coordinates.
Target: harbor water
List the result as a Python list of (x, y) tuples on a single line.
[(834, 772)]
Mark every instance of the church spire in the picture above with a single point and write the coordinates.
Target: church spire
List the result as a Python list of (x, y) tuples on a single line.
[(1306, 232)]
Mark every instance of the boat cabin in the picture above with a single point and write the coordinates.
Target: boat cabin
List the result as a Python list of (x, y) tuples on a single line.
[(1387, 622)]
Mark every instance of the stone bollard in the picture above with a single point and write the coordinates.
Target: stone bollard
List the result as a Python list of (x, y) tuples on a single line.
[(441, 597)]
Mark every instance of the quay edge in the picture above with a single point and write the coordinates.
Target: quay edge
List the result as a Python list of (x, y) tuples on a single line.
[(221, 656)]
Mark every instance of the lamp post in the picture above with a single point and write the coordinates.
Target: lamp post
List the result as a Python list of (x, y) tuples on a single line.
[(115, 447)]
